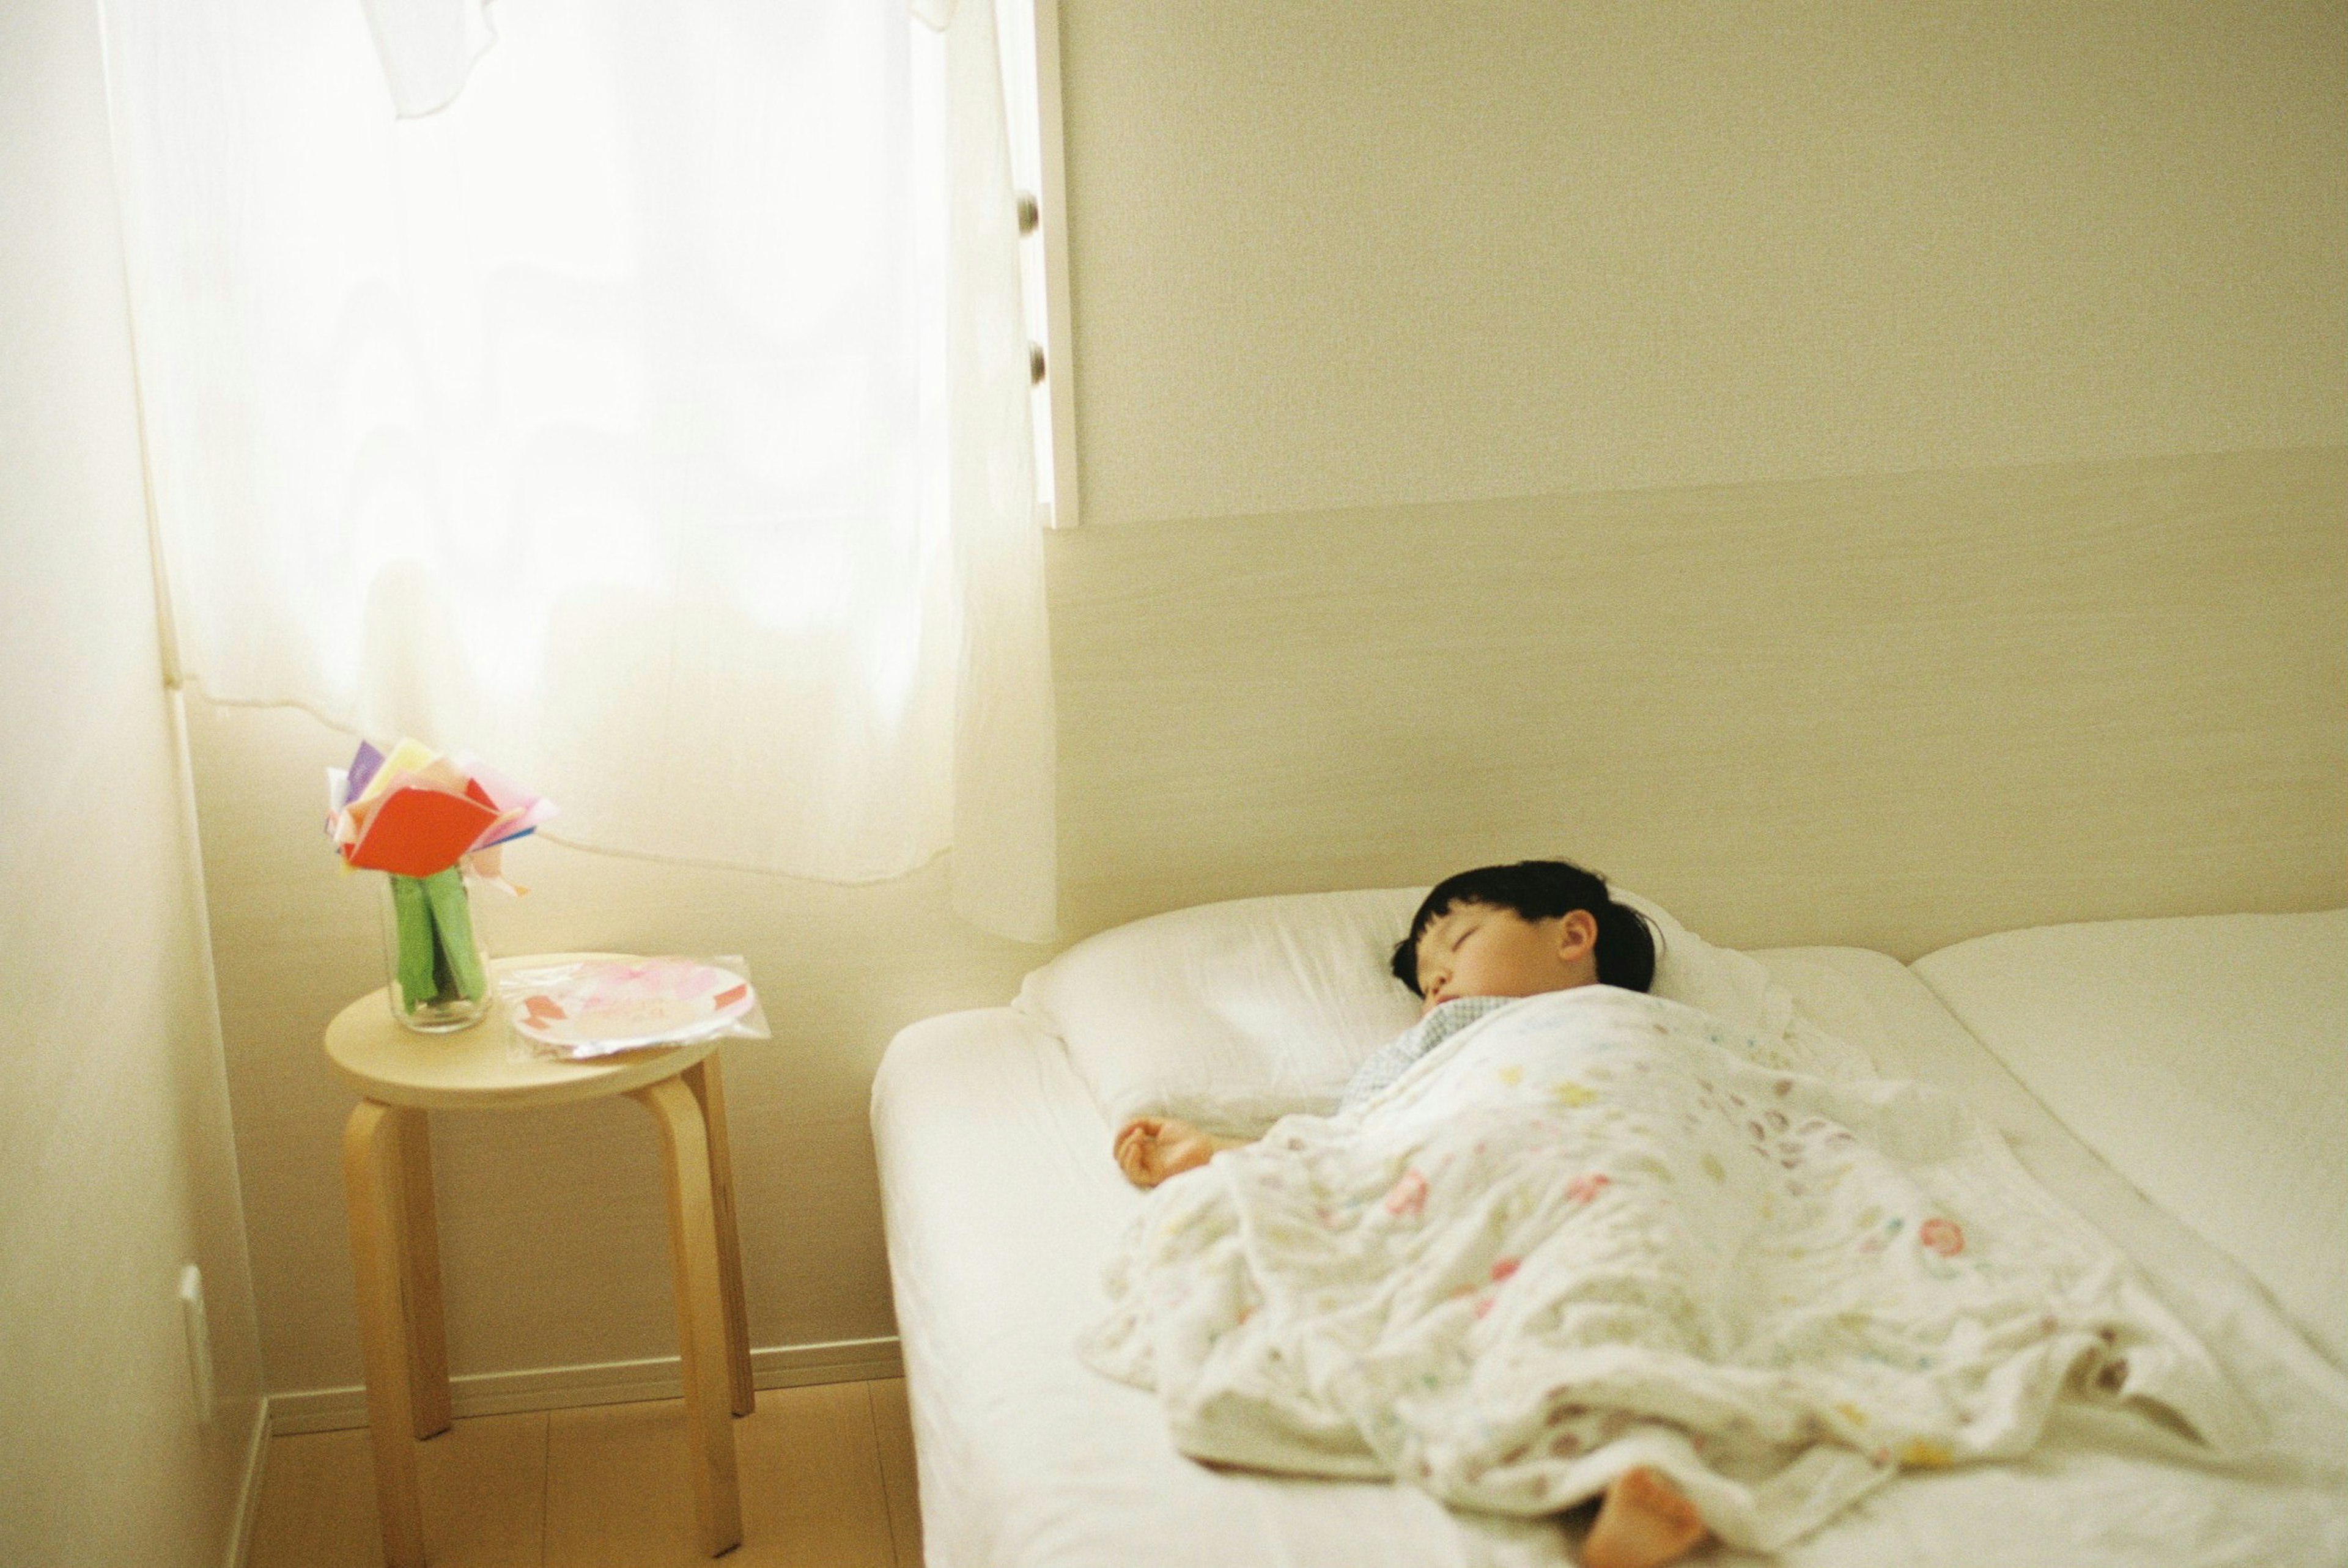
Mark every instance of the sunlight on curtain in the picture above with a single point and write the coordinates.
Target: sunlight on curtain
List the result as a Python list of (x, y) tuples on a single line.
[(427, 48), (641, 419)]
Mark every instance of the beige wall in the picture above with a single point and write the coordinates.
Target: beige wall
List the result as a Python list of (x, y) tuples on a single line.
[(1923, 426), (1353, 255), (115, 1156), (1890, 711)]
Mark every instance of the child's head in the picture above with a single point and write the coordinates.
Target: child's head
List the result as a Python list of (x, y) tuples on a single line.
[(1520, 931)]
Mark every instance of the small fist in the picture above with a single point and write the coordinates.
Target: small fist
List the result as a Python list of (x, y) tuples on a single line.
[(1149, 1149)]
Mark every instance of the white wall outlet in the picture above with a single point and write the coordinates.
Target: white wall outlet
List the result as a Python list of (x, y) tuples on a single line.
[(199, 1338)]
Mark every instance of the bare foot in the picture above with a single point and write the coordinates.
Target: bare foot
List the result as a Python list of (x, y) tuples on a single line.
[(1643, 1523), (1149, 1149)]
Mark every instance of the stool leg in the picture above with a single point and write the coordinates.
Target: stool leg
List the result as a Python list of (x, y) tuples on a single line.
[(700, 1311), (373, 1180), (709, 1088), (419, 1256)]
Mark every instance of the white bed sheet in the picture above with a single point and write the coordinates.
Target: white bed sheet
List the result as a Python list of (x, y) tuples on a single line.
[(1001, 1200), (2204, 1059)]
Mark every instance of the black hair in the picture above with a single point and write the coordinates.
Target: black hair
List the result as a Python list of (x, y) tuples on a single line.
[(1628, 941)]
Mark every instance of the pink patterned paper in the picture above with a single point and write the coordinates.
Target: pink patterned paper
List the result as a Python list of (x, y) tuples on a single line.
[(597, 1007)]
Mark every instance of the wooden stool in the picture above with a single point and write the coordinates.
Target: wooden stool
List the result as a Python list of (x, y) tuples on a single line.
[(395, 1239)]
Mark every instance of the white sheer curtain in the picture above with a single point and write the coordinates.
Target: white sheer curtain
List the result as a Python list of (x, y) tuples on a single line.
[(427, 48), (649, 419)]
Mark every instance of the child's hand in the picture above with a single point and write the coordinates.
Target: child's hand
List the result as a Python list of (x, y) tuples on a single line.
[(1149, 1149)]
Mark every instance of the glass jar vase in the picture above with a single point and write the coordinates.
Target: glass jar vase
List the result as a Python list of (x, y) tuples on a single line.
[(439, 971)]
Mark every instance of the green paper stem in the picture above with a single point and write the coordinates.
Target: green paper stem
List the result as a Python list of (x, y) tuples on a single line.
[(452, 919), (437, 963), (412, 912)]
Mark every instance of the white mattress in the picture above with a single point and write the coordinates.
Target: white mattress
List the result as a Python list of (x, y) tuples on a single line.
[(2206, 1060), (1001, 1199)]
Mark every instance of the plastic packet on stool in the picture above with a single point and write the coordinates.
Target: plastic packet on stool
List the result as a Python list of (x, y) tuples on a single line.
[(577, 1010)]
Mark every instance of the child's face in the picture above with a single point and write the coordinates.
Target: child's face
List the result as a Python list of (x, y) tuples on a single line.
[(1474, 951)]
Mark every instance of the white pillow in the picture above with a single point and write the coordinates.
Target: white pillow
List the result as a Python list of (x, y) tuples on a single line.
[(1233, 1015), (2201, 1057)]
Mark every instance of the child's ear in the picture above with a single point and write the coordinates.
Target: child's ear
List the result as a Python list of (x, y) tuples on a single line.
[(1576, 936)]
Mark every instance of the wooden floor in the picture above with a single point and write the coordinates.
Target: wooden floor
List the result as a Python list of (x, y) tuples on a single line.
[(827, 1482)]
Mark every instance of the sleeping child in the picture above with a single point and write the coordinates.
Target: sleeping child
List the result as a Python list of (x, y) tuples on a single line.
[(1481, 940), (1565, 1240)]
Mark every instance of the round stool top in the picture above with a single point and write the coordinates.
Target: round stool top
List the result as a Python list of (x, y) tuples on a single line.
[(477, 1067)]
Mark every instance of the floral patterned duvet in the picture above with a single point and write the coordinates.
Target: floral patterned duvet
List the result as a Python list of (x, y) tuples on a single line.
[(1594, 1230)]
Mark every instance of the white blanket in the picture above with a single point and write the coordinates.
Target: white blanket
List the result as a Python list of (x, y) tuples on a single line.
[(1596, 1230)]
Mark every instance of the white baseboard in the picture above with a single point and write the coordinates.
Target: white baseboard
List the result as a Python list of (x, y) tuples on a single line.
[(248, 1492), (602, 1383)]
